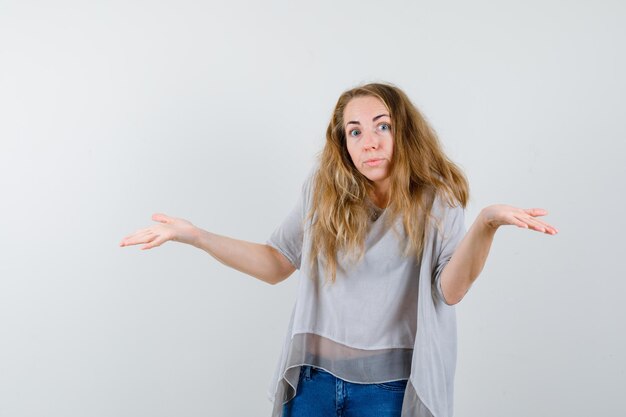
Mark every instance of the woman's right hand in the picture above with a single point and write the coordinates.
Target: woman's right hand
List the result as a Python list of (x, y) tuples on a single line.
[(168, 228)]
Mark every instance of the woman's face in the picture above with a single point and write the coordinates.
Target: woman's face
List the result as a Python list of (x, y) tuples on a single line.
[(369, 139)]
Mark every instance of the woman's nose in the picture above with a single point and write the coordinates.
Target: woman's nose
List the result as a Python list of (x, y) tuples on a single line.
[(370, 141)]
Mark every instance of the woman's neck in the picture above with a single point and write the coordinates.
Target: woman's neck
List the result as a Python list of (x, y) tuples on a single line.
[(380, 195)]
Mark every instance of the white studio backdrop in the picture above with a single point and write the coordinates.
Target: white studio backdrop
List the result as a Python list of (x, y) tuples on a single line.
[(214, 112)]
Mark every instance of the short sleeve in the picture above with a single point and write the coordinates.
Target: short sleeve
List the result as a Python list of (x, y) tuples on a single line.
[(449, 235), (288, 237)]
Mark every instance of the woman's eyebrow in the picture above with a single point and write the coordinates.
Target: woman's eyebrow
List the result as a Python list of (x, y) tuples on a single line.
[(355, 122)]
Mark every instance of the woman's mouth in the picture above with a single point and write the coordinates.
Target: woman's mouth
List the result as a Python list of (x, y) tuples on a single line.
[(374, 162)]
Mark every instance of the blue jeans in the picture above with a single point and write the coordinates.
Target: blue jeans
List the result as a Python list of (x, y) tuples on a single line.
[(321, 394)]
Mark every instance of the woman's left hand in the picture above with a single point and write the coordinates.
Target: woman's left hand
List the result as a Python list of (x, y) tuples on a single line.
[(501, 214)]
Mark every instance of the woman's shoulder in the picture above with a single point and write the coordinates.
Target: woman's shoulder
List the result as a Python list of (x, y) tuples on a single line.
[(308, 184), (445, 206)]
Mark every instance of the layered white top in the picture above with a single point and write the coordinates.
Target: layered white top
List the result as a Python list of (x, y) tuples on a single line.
[(383, 319)]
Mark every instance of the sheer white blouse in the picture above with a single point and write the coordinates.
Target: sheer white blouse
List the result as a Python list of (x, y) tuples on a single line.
[(383, 319)]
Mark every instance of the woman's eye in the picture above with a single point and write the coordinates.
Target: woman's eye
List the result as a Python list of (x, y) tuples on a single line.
[(385, 127), (354, 132)]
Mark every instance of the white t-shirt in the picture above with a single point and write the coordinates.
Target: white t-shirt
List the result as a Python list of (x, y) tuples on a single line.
[(383, 319)]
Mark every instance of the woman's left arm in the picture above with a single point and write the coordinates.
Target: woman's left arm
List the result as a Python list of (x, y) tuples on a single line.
[(471, 253)]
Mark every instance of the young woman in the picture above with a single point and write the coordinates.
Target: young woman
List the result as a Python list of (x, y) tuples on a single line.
[(379, 240)]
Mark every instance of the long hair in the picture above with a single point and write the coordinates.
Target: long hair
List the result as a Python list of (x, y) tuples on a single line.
[(419, 171)]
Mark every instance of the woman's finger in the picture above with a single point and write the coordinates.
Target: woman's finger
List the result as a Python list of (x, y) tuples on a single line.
[(517, 221), (144, 233), (539, 226), (544, 224), (536, 212), (156, 241), (548, 228), (136, 233), (535, 225), (141, 237), (160, 217), (551, 230)]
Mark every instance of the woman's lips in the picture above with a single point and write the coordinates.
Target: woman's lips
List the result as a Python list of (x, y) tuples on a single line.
[(374, 162)]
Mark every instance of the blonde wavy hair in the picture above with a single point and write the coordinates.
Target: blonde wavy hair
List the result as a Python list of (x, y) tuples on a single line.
[(420, 171)]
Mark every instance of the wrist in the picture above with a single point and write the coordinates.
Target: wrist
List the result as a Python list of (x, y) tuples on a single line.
[(486, 221), (195, 237)]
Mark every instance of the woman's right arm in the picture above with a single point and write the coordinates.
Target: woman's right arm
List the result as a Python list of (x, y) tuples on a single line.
[(258, 260)]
